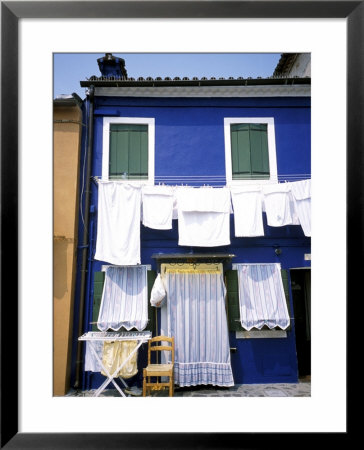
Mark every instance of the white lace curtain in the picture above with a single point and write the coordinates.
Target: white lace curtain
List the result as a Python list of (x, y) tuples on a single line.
[(261, 296), (197, 320), (124, 300)]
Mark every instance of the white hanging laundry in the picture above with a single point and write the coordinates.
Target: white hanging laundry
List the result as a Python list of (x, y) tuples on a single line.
[(91, 362), (278, 205), (203, 199), (118, 226), (248, 218), (115, 353), (112, 354), (157, 207), (203, 216), (301, 194), (175, 204), (124, 301), (294, 214), (301, 190), (261, 296)]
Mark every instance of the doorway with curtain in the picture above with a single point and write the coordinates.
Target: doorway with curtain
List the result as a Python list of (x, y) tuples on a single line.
[(195, 315)]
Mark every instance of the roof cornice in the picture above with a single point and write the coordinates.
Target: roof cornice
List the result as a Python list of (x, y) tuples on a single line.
[(299, 90), (159, 82)]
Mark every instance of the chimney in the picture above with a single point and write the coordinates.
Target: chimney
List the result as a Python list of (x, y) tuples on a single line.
[(111, 66)]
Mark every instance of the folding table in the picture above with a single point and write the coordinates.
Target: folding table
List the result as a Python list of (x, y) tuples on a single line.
[(92, 336)]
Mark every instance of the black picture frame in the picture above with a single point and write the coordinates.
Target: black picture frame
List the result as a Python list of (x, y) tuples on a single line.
[(11, 12)]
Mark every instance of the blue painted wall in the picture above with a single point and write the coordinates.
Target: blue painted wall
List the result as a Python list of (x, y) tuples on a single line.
[(189, 140), (189, 137)]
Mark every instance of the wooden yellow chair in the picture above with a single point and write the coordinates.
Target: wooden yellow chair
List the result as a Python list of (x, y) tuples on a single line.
[(155, 370)]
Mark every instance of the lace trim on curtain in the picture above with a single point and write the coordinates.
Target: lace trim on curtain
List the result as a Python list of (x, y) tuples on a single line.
[(193, 374)]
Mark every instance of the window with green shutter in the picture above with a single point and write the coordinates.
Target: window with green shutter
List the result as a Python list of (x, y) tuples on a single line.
[(249, 151), (99, 279), (233, 309), (128, 152)]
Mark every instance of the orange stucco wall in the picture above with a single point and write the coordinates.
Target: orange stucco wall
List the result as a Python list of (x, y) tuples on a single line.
[(66, 155)]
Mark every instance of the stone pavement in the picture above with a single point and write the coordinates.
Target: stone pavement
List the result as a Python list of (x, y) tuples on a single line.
[(300, 389)]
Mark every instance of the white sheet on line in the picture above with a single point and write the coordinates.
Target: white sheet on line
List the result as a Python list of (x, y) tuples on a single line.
[(278, 205), (248, 218), (261, 296), (118, 225), (124, 301), (175, 204), (203, 216), (157, 207), (294, 214), (301, 194)]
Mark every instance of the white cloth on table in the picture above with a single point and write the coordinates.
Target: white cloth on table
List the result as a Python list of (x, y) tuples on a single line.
[(301, 193), (203, 216), (248, 216), (261, 296), (157, 207), (278, 205), (118, 224), (124, 301)]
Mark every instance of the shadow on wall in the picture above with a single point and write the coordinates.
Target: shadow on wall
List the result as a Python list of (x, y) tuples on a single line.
[(60, 245)]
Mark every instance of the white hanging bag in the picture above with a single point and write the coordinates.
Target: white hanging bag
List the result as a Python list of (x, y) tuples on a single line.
[(158, 293)]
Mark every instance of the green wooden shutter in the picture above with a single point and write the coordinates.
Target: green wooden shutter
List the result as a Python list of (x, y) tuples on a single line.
[(151, 311), (284, 274), (99, 279), (119, 151), (240, 151), (249, 151), (233, 310), (128, 154), (259, 150), (144, 153)]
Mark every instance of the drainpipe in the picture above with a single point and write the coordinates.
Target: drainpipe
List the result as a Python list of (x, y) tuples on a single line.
[(89, 295), (85, 244)]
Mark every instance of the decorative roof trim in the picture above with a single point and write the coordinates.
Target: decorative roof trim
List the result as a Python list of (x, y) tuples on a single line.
[(206, 91), (114, 81)]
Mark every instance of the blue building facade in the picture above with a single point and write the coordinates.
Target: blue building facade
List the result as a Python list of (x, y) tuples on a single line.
[(188, 145)]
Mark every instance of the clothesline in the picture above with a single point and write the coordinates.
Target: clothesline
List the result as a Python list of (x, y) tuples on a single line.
[(215, 181), (220, 176), (294, 175)]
